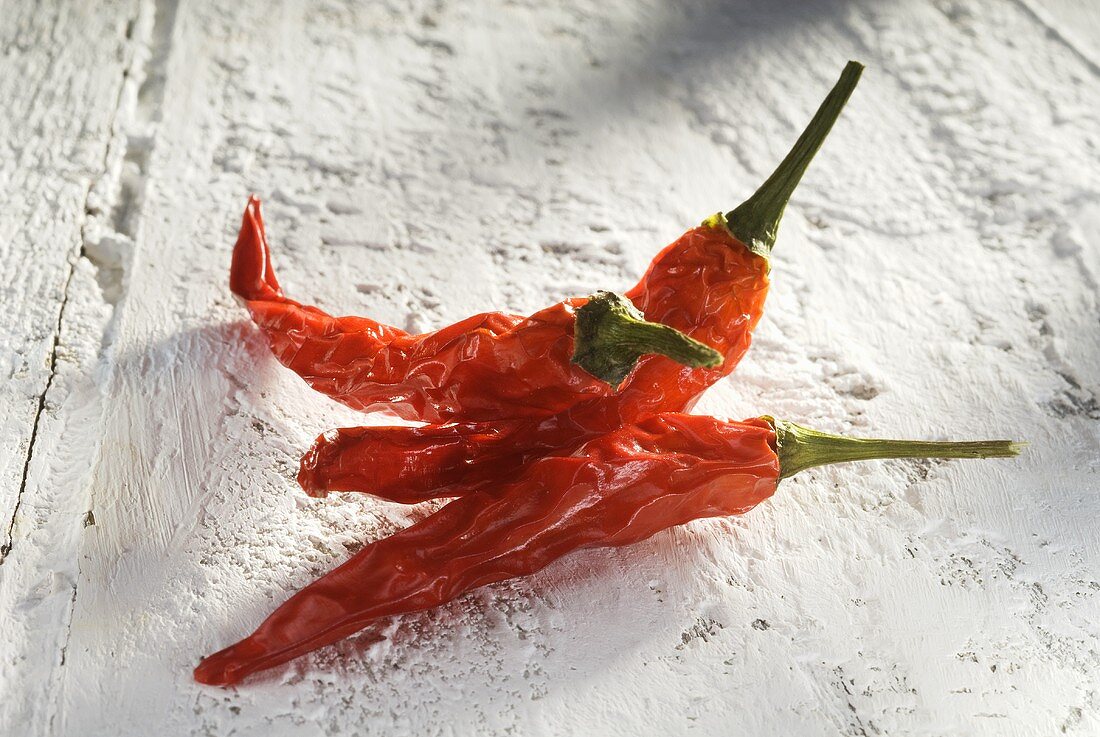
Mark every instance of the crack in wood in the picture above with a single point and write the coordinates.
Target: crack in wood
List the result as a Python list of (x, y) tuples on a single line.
[(5, 549), (65, 641), (157, 43), (151, 65), (1055, 31)]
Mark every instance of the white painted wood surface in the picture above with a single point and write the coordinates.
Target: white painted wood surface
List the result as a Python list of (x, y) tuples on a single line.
[(936, 276)]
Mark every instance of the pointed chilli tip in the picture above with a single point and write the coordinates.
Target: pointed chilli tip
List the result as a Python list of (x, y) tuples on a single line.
[(254, 210), (218, 669), (251, 275), (249, 216)]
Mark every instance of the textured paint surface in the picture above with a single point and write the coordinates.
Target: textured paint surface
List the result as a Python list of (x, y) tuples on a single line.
[(936, 276)]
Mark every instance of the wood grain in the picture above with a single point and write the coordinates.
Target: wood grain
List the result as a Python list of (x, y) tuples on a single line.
[(936, 277)]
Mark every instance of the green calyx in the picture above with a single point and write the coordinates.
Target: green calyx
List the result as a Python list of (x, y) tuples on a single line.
[(611, 335), (755, 222), (800, 448)]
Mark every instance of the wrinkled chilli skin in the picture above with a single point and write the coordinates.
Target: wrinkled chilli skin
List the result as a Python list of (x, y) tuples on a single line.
[(615, 490), (487, 367), (710, 286), (402, 464), (707, 284)]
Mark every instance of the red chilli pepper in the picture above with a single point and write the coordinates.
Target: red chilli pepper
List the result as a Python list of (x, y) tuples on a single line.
[(710, 283), (406, 464), (615, 490), (487, 367)]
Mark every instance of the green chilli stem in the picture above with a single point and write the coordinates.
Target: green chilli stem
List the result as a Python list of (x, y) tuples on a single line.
[(611, 335), (800, 448), (755, 222)]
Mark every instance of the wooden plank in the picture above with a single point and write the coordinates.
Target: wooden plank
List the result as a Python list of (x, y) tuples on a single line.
[(936, 276), (62, 75)]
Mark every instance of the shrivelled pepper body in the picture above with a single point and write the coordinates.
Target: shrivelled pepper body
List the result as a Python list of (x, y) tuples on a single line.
[(487, 367), (410, 464), (706, 283), (712, 287), (614, 490), (710, 283), (435, 459)]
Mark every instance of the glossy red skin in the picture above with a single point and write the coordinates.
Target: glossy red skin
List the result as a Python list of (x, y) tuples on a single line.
[(614, 490), (706, 284), (710, 286), (487, 367), (401, 464)]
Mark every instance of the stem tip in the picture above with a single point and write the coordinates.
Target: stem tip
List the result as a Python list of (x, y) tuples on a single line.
[(611, 335), (755, 222), (801, 447)]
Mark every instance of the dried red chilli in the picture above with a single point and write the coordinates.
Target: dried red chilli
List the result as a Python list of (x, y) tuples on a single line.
[(710, 283), (410, 464), (615, 490), (487, 367)]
